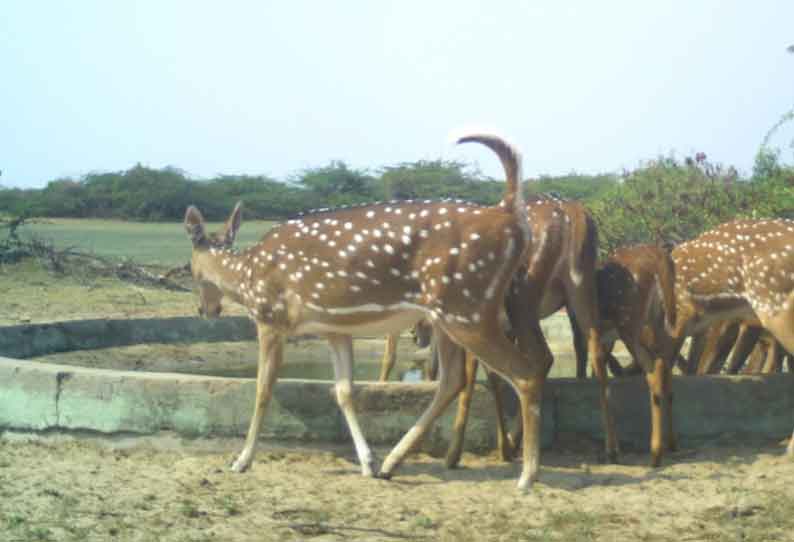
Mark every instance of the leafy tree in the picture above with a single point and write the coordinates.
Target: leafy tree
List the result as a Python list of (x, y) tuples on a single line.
[(62, 197), (668, 201), (436, 179), (336, 184), (574, 186)]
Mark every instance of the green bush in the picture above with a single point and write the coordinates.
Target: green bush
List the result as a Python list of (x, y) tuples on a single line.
[(670, 201)]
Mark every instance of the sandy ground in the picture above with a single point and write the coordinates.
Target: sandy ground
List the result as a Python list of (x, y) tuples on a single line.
[(82, 487), (70, 488)]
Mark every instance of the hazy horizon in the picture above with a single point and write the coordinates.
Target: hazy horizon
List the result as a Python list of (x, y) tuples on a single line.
[(273, 88)]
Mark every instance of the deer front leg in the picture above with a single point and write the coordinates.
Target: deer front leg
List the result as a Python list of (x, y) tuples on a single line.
[(342, 354), (745, 343), (464, 401), (450, 383), (599, 368), (389, 357), (527, 375), (774, 358), (271, 350)]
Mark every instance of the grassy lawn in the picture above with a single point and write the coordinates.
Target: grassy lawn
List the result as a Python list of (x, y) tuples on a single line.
[(153, 243)]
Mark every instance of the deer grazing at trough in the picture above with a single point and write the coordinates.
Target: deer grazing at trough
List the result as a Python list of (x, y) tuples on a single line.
[(741, 270), (559, 272), (378, 269), (636, 296)]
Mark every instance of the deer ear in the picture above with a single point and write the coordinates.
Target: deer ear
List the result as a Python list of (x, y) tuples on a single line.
[(233, 224), (194, 225)]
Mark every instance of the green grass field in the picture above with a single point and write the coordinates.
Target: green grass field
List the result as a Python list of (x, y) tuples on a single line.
[(151, 243)]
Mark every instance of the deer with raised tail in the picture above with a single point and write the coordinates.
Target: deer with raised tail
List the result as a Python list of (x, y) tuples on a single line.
[(378, 269), (559, 271)]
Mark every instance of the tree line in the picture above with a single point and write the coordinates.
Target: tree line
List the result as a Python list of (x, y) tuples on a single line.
[(147, 194), (663, 200)]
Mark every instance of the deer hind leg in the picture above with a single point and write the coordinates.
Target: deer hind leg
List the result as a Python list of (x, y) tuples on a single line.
[(342, 354), (527, 376), (271, 350), (451, 381), (464, 402), (389, 357)]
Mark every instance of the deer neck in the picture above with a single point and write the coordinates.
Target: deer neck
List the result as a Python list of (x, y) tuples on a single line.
[(227, 269)]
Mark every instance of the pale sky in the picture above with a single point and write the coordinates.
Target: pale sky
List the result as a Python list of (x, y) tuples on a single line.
[(275, 87)]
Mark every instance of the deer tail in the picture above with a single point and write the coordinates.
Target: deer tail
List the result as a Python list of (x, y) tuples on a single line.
[(511, 162)]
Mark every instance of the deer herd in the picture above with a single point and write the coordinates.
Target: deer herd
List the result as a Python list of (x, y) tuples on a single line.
[(480, 279)]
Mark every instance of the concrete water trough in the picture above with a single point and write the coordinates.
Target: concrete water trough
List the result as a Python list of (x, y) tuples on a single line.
[(39, 396)]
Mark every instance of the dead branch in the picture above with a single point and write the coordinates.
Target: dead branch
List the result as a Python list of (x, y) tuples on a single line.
[(71, 260)]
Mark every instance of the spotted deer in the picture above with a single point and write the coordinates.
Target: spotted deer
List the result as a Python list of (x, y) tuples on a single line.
[(636, 299), (381, 268), (740, 270), (559, 272)]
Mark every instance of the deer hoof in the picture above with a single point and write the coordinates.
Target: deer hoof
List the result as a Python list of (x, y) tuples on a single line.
[(241, 464)]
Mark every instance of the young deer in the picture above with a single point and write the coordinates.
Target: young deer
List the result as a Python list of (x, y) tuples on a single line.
[(559, 272), (637, 305), (740, 270), (379, 269)]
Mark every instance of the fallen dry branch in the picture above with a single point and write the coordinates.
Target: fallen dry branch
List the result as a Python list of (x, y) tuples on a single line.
[(85, 264), (126, 270)]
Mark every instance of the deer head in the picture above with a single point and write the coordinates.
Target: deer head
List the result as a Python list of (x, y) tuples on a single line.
[(207, 246)]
